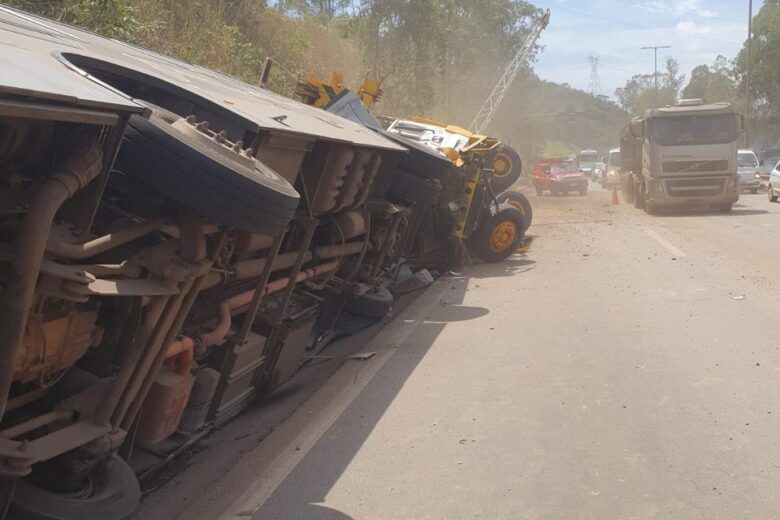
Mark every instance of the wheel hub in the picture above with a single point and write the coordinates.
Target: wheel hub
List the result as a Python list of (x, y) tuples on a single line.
[(219, 147), (503, 236), (502, 166)]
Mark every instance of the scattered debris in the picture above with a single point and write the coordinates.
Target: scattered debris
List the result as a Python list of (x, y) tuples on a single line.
[(738, 297), (421, 279), (362, 356)]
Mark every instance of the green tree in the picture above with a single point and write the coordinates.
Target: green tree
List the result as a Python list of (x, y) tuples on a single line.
[(697, 86), (639, 93), (113, 18), (764, 60), (430, 50), (712, 83)]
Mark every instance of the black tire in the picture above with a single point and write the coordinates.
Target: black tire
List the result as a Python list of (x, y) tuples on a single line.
[(376, 303), (521, 202), (771, 194), (482, 241), (349, 324), (753, 191), (507, 168), (639, 196), (159, 155), (725, 208), (583, 191), (627, 186), (407, 187), (114, 494)]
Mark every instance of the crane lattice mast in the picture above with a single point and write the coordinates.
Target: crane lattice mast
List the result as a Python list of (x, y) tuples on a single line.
[(485, 114)]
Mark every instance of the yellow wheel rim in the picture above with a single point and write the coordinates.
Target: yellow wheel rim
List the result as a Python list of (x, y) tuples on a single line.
[(503, 236), (502, 165)]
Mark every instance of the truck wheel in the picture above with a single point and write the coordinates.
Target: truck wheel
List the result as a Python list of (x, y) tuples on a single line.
[(498, 235), (182, 166), (628, 190), (771, 193), (639, 196), (376, 303), (407, 187), (724, 208), (584, 191), (507, 167), (519, 201), (111, 494)]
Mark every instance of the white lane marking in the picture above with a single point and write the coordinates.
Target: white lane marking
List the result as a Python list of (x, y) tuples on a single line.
[(668, 245), (331, 401)]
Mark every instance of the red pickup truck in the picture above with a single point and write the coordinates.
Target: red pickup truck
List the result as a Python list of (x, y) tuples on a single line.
[(559, 176)]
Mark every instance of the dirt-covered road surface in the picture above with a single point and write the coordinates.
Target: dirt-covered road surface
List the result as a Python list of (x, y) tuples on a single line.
[(627, 367)]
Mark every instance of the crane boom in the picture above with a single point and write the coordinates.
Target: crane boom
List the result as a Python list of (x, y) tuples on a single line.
[(485, 114)]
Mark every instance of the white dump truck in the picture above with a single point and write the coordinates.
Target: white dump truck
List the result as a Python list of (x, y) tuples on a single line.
[(682, 156)]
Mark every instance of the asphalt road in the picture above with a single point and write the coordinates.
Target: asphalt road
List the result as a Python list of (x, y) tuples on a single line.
[(627, 367)]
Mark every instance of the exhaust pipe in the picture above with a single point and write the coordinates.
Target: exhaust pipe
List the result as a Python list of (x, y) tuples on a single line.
[(82, 165)]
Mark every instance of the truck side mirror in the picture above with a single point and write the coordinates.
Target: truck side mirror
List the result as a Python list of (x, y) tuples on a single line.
[(637, 128)]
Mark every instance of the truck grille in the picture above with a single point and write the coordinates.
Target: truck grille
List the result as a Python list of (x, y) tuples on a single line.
[(696, 166), (695, 187)]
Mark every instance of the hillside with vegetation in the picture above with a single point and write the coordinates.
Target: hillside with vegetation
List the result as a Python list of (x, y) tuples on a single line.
[(437, 58)]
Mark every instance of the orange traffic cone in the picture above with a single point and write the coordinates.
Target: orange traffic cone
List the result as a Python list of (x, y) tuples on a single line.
[(615, 200)]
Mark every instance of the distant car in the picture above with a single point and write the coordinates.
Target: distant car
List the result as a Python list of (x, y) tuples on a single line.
[(773, 188), (748, 171), (559, 177), (589, 163), (767, 159)]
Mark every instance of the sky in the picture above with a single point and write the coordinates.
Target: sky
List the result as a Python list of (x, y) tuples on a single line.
[(615, 30)]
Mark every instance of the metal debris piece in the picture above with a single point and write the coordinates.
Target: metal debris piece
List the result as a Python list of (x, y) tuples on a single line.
[(362, 356)]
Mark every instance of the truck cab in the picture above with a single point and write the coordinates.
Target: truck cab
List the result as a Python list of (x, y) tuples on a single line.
[(683, 156)]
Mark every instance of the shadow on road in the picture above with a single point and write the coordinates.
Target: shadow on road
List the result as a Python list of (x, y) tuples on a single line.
[(748, 212), (305, 489), (512, 266), (690, 213)]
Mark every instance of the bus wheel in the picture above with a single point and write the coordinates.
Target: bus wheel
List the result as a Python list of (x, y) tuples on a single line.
[(111, 493)]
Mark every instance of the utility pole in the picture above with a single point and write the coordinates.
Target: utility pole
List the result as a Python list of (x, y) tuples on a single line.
[(655, 74), (748, 111)]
